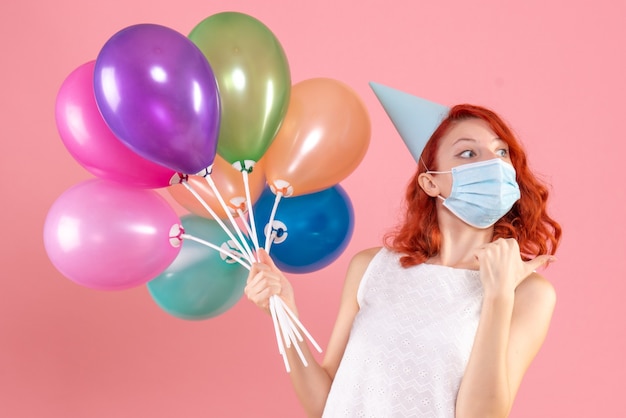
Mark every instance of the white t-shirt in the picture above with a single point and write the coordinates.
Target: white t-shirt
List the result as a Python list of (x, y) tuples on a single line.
[(410, 341)]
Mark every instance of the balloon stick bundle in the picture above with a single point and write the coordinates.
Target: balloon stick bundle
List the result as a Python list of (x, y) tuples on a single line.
[(287, 326), (214, 119)]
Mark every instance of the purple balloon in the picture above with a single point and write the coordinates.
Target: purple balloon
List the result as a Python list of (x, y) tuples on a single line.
[(90, 141), (158, 94), (108, 236)]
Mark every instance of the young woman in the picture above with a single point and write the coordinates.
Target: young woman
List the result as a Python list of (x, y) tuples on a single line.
[(446, 318)]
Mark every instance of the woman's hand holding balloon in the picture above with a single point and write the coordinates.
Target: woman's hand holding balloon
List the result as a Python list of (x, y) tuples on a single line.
[(266, 280)]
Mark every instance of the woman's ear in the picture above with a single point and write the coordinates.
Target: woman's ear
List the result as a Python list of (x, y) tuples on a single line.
[(428, 184)]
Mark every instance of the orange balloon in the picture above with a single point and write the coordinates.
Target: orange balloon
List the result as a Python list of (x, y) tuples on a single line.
[(228, 181), (323, 138)]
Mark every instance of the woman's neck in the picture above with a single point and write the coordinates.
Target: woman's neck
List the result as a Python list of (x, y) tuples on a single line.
[(459, 242)]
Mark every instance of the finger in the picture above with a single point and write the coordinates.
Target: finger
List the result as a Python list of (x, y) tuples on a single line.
[(255, 269), (539, 261), (264, 278), (259, 292), (265, 258), (261, 287), (261, 299)]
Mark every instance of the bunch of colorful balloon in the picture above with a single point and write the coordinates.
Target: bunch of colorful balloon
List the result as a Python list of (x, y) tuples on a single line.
[(214, 118)]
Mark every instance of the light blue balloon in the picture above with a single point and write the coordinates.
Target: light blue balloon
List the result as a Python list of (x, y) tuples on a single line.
[(312, 230), (199, 284)]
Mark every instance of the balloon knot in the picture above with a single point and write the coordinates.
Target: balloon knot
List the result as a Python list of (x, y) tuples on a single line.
[(176, 235), (241, 207), (244, 165), (205, 172), (281, 186), (178, 178)]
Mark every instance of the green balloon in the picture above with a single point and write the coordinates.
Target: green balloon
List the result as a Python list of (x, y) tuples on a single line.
[(253, 79), (199, 284)]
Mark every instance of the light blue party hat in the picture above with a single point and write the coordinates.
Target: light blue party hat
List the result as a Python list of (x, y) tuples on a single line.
[(415, 118)]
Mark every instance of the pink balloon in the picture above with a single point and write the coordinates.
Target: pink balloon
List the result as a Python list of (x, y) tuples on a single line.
[(90, 141), (109, 236)]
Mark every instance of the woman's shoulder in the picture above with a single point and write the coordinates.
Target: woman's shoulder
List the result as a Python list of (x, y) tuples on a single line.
[(358, 265), (366, 255), (535, 296), (536, 287)]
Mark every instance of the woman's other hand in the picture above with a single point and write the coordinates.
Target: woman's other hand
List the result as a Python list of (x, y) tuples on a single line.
[(265, 280), (502, 268)]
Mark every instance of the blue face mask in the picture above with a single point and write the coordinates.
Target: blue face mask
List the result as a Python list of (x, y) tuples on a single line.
[(482, 192)]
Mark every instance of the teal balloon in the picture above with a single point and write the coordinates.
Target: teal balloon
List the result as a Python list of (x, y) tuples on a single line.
[(199, 284)]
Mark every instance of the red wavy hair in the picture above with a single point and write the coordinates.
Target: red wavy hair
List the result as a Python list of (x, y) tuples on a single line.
[(419, 238)]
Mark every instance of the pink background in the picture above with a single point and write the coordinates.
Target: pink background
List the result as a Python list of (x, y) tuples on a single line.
[(555, 70)]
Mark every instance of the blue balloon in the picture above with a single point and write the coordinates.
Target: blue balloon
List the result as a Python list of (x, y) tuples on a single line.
[(199, 284), (311, 230)]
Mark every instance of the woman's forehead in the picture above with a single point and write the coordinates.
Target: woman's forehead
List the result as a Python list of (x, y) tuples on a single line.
[(468, 131)]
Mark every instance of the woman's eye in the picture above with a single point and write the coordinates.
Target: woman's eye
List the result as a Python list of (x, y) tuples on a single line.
[(467, 154), (503, 152)]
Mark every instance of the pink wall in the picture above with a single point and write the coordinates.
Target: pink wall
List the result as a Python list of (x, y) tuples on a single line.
[(554, 69)]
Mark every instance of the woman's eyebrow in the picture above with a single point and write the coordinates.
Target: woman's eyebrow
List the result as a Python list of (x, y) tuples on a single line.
[(496, 139), (463, 139)]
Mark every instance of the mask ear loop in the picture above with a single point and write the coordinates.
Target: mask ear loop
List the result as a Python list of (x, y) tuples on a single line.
[(432, 171), (443, 199)]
